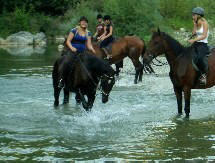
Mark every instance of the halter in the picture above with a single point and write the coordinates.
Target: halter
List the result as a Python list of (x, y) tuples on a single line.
[(102, 92)]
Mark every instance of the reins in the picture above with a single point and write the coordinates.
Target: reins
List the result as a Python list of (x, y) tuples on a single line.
[(93, 81)]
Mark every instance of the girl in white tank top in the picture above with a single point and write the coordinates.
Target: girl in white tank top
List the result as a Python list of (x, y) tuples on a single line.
[(200, 42), (199, 33)]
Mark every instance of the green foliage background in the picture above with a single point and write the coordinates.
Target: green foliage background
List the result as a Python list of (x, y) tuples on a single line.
[(139, 17)]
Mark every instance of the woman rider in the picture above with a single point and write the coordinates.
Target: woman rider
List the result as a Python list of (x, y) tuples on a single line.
[(107, 36), (78, 40), (99, 27), (201, 30)]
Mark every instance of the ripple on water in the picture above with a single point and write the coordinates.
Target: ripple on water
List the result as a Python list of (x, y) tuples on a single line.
[(138, 122)]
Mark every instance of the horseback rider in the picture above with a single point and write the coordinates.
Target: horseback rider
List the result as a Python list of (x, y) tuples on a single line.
[(107, 36), (201, 30), (78, 41), (79, 38), (99, 27)]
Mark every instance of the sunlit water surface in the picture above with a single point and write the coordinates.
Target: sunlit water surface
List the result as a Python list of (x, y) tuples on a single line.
[(139, 122)]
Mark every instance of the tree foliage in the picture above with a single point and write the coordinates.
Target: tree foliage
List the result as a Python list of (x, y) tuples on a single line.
[(129, 16)]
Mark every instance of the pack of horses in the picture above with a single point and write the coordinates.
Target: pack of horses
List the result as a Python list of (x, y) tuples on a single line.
[(82, 73)]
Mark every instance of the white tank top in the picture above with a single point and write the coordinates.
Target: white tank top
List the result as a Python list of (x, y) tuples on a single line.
[(199, 33)]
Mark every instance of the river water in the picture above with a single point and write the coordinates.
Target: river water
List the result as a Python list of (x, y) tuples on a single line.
[(139, 122)]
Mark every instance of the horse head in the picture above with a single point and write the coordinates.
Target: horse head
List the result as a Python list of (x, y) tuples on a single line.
[(156, 46), (107, 83)]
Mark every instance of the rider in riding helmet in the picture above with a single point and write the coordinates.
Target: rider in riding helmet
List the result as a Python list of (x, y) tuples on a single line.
[(79, 38), (99, 27), (107, 37), (201, 30)]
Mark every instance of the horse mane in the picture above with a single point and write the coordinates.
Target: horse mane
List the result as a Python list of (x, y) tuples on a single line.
[(174, 44), (98, 64), (179, 49)]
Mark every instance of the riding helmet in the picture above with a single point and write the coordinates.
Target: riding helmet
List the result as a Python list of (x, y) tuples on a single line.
[(83, 18), (107, 17), (198, 10), (99, 16)]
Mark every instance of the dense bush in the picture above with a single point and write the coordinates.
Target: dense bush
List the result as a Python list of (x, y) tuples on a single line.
[(133, 17), (129, 17)]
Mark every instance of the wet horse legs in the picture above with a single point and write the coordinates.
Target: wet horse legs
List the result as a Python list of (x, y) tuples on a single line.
[(118, 66), (178, 94), (187, 95), (66, 95), (56, 95)]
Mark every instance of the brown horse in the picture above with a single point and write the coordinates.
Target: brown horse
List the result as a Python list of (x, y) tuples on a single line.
[(182, 73), (128, 46)]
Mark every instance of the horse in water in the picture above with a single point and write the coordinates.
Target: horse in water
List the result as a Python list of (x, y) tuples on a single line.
[(182, 73), (81, 74), (128, 46)]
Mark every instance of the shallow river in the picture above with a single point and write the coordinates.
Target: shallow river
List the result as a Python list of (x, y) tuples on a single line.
[(139, 122)]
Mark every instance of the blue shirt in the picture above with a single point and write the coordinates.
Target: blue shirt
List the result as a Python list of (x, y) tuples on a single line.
[(78, 41)]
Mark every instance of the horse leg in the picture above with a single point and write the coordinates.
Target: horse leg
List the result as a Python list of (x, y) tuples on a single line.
[(56, 95), (118, 66), (56, 90), (91, 98), (187, 95), (138, 68), (178, 94), (141, 74), (66, 95), (83, 100), (78, 98)]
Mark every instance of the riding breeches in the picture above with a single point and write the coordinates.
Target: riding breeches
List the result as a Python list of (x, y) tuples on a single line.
[(201, 52), (106, 41)]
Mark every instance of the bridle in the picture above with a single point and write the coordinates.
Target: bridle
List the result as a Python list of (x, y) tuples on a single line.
[(109, 78), (93, 81)]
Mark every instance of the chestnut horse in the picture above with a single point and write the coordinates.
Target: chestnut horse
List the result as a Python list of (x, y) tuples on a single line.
[(127, 46), (182, 73)]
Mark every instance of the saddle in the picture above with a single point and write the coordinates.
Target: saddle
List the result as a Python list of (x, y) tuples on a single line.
[(195, 59)]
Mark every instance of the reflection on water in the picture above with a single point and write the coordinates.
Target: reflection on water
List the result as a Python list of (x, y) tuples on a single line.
[(23, 50), (138, 124)]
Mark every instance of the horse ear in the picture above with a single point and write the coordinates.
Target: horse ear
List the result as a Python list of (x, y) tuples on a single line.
[(159, 32)]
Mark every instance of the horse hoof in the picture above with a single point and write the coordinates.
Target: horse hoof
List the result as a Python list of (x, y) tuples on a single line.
[(56, 103), (187, 116), (65, 102), (78, 101), (135, 81)]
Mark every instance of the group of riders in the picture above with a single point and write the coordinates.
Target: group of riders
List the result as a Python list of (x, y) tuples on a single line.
[(79, 38)]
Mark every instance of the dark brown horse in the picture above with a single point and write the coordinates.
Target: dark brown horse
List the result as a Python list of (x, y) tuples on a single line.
[(182, 73), (81, 74), (128, 46)]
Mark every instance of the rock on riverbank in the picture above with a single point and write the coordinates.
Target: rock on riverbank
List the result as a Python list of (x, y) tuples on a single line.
[(24, 38)]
